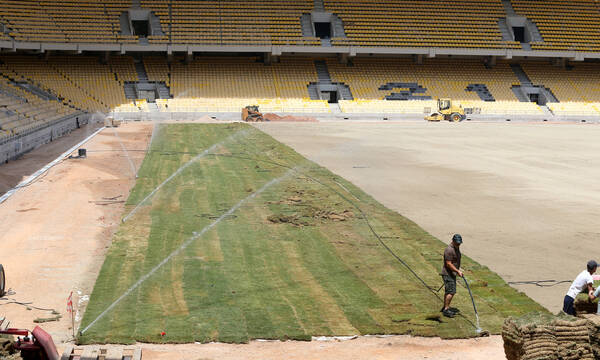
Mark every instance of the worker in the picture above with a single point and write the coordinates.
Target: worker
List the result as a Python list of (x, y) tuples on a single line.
[(450, 269), (596, 295), (583, 282)]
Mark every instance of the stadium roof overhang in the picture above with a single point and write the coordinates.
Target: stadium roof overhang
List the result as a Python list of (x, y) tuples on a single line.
[(273, 50)]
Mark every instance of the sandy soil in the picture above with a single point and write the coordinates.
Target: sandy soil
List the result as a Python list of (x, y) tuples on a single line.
[(13, 172), (523, 195), (396, 347), (53, 236)]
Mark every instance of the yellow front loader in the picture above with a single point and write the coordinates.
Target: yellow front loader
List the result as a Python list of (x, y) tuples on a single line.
[(447, 111)]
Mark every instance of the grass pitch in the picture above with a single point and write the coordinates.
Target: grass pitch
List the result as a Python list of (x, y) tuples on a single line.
[(296, 261)]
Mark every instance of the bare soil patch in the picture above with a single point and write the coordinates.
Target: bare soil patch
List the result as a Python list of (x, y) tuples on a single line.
[(53, 233)]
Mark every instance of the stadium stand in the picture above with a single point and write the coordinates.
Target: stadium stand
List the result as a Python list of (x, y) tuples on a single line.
[(39, 73), (576, 87), (577, 83), (233, 22), (564, 25), (66, 21), (464, 23), (21, 111), (81, 80), (228, 84), (437, 77), (124, 68), (157, 69), (474, 24)]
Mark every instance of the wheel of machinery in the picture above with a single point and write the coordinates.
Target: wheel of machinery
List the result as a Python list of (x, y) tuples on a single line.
[(2, 281), (456, 117)]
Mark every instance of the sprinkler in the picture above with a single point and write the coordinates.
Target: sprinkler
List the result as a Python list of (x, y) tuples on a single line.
[(478, 328)]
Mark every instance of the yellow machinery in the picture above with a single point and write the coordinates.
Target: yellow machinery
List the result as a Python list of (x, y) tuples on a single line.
[(252, 114), (447, 111)]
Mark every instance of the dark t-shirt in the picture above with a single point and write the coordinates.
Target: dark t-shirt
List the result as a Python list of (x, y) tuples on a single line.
[(453, 255)]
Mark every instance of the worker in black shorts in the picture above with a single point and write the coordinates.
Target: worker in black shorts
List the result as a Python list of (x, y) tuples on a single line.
[(450, 269)]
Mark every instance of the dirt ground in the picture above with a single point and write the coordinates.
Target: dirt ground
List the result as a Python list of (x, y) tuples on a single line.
[(13, 172), (53, 234), (523, 195), (395, 347)]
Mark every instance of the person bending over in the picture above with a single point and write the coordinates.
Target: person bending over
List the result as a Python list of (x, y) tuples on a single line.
[(583, 282)]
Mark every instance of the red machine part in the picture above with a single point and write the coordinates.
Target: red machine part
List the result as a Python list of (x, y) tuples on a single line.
[(38, 346)]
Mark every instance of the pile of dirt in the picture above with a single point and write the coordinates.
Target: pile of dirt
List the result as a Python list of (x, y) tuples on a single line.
[(288, 118), (540, 336)]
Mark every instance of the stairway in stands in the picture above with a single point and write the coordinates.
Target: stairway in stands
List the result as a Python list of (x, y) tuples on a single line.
[(508, 8), (325, 84), (504, 30), (322, 72), (133, 89), (527, 87), (141, 72), (307, 26), (520, 74), (318, 5)]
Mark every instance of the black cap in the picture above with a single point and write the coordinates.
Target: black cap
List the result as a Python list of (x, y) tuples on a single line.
[(592, 264), (457, 238)]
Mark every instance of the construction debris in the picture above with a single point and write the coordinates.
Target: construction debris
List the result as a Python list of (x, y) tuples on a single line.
[(288, 118)]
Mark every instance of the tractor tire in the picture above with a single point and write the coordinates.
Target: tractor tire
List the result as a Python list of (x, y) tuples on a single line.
[(2, 281), (456, 117)]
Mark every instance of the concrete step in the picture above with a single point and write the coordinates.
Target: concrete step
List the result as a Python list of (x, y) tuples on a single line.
[(141, 71), (124, 22), (130, 92), (318, 5), (345, 92), (504, 30), (338, 27), (546, 110), (307, 27), (155, 25), (536, 36), (322, 72), (517, 91), (313, 92), (152, 107), (335, 108), (482, 91), (163, 91), (521, 75), (508, 8)]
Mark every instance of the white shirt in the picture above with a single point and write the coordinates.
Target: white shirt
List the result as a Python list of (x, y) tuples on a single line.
[(580, 283)]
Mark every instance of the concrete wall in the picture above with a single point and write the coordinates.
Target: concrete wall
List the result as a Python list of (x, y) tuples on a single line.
[(16, 146), (277, 50)]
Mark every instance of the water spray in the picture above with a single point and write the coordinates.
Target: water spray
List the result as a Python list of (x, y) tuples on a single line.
[(478, 329)]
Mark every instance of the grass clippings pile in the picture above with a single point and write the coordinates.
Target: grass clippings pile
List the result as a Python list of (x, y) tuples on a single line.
[(296, 261), (541, 336)]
